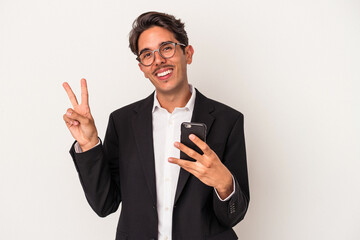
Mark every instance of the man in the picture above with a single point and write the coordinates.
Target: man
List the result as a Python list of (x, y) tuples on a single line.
[(163, 197)]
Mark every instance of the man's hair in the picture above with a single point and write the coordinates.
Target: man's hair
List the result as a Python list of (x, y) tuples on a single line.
[(151, 19)]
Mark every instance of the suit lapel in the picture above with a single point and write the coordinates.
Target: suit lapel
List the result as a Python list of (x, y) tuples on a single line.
[(201, 114), (142, 126)]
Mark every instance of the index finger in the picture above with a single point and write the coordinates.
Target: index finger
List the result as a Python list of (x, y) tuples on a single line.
[(84, 92), (201, 144), (71, 94)]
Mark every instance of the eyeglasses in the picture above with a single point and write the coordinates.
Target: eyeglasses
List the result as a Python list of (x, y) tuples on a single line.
[(166, 50)]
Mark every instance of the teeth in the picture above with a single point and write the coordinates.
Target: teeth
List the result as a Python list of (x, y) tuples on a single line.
[(164, 73)]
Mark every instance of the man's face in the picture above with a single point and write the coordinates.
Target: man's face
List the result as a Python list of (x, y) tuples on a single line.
[(167, 75)]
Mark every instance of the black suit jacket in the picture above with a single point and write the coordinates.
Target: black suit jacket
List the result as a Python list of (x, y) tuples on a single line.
[(123, 170)]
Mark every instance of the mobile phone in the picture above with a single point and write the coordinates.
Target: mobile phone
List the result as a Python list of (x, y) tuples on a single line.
[(187, 128)]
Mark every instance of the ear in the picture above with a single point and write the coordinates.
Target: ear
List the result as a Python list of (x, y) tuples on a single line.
[(141, 68), (189, 52)]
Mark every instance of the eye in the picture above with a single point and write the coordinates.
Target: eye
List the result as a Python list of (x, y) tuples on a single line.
[(167, 48), (146, 55)]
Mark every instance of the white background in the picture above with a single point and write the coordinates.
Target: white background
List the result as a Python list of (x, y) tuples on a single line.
[(291, 67)]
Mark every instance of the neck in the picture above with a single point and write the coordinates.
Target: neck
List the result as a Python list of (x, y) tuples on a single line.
[(170, 101)]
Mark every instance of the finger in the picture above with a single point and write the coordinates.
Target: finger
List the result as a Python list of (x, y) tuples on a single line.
[(187, 165), (70, 94), (74, 116), (192, 167), (67, 121), (188, 151), (84, 92), (70, 122), (201, 144)]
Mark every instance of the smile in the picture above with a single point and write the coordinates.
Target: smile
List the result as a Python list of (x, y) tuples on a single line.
[(162, 74)]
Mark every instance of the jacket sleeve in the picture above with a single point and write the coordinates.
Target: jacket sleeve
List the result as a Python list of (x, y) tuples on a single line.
[(99, 173), (232, 211)]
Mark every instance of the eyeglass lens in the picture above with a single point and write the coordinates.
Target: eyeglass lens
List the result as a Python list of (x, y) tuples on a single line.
[(166, 51)]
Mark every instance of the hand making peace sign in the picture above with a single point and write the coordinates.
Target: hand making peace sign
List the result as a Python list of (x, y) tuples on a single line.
[(79, 119)]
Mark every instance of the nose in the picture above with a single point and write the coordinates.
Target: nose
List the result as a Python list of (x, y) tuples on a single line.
[(158, 59)]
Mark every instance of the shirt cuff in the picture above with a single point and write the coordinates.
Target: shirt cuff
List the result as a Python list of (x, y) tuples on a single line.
[(78, 148), (228, 197)]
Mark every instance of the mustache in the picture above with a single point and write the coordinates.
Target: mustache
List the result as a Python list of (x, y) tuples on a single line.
[(162, 66)]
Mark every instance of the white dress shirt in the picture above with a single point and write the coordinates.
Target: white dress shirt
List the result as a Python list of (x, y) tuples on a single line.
[(166, 131)]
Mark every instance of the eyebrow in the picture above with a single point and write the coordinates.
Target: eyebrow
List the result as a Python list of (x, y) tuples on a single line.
[(148, 49), (145, 49)]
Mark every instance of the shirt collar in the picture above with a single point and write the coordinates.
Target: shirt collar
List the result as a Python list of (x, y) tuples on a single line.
[(189, 105)]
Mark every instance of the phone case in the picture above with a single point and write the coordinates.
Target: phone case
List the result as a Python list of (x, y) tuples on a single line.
[(187, 128)]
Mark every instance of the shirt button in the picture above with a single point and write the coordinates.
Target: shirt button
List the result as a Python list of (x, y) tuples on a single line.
[(166, 209)]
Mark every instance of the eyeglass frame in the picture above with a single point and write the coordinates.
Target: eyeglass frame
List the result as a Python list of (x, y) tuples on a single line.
[(158, 50)]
